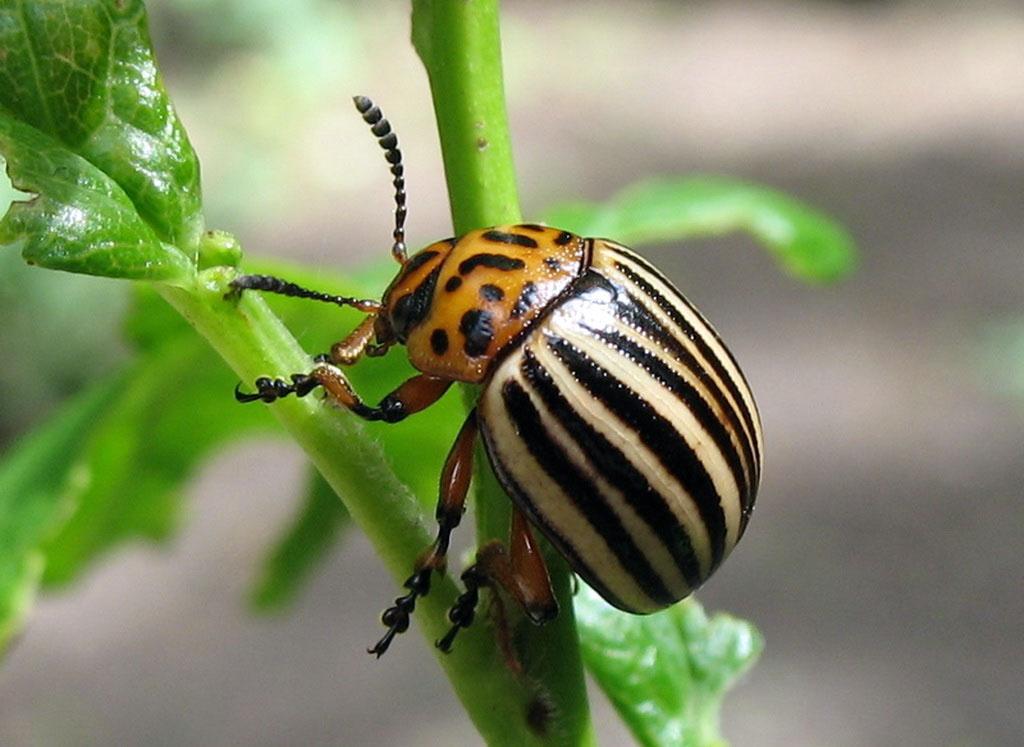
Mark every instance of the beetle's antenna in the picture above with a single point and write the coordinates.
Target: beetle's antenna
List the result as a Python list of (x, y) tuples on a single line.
[(387, 139)]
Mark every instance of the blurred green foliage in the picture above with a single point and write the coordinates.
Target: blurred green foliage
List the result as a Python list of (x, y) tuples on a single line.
[(313, 533), (808, 244), (1002, 356)]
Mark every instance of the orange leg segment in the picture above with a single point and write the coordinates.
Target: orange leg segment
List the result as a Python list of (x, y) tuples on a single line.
[(351, 349), (455, 476), (415, 394)]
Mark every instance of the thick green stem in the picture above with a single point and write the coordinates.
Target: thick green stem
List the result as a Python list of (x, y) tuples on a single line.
[(460, 46)]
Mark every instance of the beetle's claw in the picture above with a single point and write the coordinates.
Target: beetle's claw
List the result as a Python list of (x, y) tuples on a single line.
[(270, 390), (397, 616)]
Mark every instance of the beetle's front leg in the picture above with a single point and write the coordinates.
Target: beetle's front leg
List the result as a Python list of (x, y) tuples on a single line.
[(455, 476), (358, 343), (415, 394)]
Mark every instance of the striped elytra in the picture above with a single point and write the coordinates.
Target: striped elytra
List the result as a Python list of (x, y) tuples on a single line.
[(621, 425), (614, 417)]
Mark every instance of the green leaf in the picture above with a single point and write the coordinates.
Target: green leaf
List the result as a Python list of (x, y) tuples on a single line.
[(316, 529), (84, 73), (805, 242), (48, 353), (37, 482), (81, 220), (172, 411), (19, 580), (666, 673)]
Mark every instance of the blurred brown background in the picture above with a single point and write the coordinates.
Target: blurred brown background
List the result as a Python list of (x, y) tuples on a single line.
[(884, 563)]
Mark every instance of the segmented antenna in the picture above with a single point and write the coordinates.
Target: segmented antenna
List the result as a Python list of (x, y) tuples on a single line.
[(389, 142)]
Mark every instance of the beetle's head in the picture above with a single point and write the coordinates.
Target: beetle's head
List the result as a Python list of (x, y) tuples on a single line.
[(407, 300)]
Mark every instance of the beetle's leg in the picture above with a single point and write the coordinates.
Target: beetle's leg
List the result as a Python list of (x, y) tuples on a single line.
[(357, 343), (351, 349), (520, 571), (415, 394), (455, 476)]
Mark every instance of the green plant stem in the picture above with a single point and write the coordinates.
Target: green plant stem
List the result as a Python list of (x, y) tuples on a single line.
[(460, 46), (253, 341)]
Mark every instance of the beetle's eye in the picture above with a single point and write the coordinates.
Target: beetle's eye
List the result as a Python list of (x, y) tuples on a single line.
[(400, 314), (411, 309)]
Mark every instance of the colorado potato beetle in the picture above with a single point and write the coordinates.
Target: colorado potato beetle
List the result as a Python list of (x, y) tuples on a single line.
[(612, 413)]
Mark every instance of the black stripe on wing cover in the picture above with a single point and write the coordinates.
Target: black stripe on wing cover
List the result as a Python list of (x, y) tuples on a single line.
[(657, 433), (650, 505), (556, 464)]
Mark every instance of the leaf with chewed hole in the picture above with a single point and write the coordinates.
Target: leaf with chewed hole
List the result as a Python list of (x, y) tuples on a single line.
[(807, 243), (80, 220), (84, 74), (666, 673)]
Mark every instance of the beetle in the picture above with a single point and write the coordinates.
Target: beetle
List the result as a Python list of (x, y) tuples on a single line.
[(613, 415)]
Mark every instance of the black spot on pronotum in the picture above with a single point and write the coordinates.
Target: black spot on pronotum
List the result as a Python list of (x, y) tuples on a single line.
[(552, 263), (501, 237), (563, 238), (532, 227), (439, 341), (453, 283), (527, 298), (490, 292), (490, 261), (477, 326)]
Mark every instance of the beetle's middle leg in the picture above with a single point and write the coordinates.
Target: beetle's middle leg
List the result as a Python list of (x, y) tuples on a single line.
[(455, 477)]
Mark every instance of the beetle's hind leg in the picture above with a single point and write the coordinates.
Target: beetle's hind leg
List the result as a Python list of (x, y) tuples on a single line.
[(455, 476), (519, 571)]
